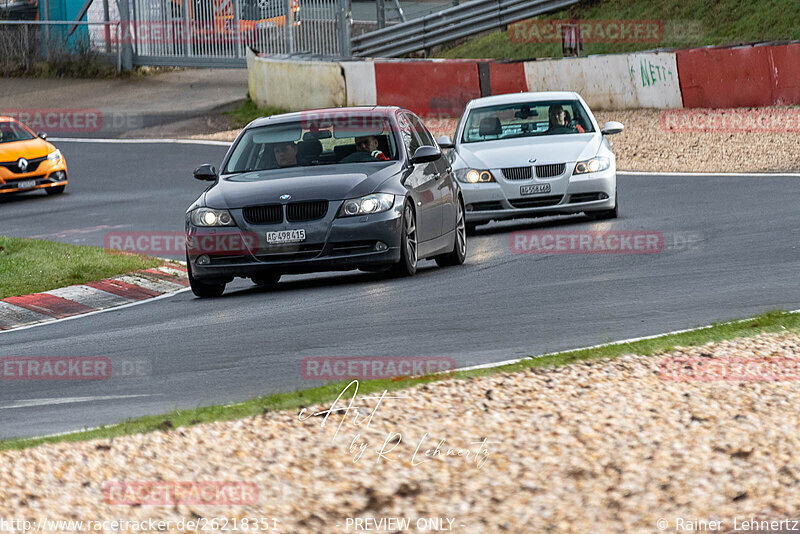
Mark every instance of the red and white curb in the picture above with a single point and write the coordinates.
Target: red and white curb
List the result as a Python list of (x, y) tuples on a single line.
[(123, 290)]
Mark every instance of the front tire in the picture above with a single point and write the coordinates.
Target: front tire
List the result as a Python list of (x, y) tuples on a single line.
[(269, 280), (459, 252), (55, 190), (202, 289), (613, 213), (407, 266)]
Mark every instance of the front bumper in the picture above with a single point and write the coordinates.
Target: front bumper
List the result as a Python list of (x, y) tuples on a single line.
[(332, 244), (501, 200), (46, 174)]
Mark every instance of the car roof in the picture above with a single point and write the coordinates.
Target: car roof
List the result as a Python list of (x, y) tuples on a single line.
[(512, 98), (385, 111)]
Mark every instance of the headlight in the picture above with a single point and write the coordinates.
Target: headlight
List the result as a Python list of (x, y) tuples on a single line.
[(592, 165), (54, 156), (374, 203), (474, 176), (211, 217)]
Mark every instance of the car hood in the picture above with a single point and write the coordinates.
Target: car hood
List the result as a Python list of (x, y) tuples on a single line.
[(519, 152), (330, 182), (33, 148)]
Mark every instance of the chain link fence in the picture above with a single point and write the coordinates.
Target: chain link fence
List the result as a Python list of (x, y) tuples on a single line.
[(58, 47)]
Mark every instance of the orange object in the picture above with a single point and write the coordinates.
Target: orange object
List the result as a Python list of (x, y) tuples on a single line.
[(27, 161)]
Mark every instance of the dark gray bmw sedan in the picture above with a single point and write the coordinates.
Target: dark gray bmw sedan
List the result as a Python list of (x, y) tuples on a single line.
[(335, 189)]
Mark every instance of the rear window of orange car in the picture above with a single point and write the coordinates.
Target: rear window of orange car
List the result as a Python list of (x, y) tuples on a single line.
[(13, 131)]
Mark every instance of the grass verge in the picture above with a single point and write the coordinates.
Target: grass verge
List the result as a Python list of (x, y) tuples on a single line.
[(769, 322), (32, 266), (686, 23), (249, 111)]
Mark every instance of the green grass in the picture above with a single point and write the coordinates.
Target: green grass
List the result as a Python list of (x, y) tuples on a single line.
[(249, 111), (31, 266), (687, 23), (769, 322)]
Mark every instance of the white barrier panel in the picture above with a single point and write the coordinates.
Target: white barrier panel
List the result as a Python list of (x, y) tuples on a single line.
[(295, 85), (359, 79), (624, 81), (655, 77), (603, 81)]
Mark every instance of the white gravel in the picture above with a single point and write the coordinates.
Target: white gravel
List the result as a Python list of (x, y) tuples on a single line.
[(601, 446)]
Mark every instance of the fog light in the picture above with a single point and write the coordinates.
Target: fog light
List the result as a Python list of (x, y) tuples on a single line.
[(57, 176), (603, 196), (203, 260), (469, 207), (380, 246)]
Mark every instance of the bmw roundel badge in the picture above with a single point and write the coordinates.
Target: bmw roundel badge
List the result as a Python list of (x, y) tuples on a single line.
[(286, 197)]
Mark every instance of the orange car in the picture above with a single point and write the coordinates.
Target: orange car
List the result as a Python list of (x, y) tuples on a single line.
[(29, 162)]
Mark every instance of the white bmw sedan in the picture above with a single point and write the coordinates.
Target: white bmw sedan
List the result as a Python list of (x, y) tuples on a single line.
[(533, 154)]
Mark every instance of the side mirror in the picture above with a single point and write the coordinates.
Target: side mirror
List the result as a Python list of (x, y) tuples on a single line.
[(445, 142), (426, 154), (205, 172), (612, 127), (41, 135)]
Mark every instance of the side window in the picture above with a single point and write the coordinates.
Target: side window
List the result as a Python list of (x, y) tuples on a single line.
[(424, 135), (409, 134)]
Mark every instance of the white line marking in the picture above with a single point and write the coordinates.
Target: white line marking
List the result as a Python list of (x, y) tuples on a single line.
[(154, 284), (709, 174), (115, 308), (68, 400), (90, 296), (140, 141), (611, 343)]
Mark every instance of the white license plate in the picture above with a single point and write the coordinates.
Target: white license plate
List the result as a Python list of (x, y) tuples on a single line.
[(534, 189), (26, 184), (286, 236)]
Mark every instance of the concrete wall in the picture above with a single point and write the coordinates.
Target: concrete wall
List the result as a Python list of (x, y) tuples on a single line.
[(295, 85), (705, 77), (613, 81)]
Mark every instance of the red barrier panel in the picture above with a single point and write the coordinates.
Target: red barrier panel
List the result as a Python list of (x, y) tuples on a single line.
[(507, 78), (428, 88), (785, 68), (725, 77)]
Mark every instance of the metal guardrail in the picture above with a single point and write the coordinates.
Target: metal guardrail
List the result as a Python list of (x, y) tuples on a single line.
[(450, 24)]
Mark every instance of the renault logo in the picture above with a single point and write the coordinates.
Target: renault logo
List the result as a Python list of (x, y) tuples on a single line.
[(22, 164), (286, 197)]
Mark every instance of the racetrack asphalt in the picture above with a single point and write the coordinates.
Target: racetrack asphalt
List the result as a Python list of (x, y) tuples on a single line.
[(743, 260)]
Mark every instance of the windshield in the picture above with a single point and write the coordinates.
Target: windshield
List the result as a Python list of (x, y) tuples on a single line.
[(14, 131), (507, 121), (314, 141)]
